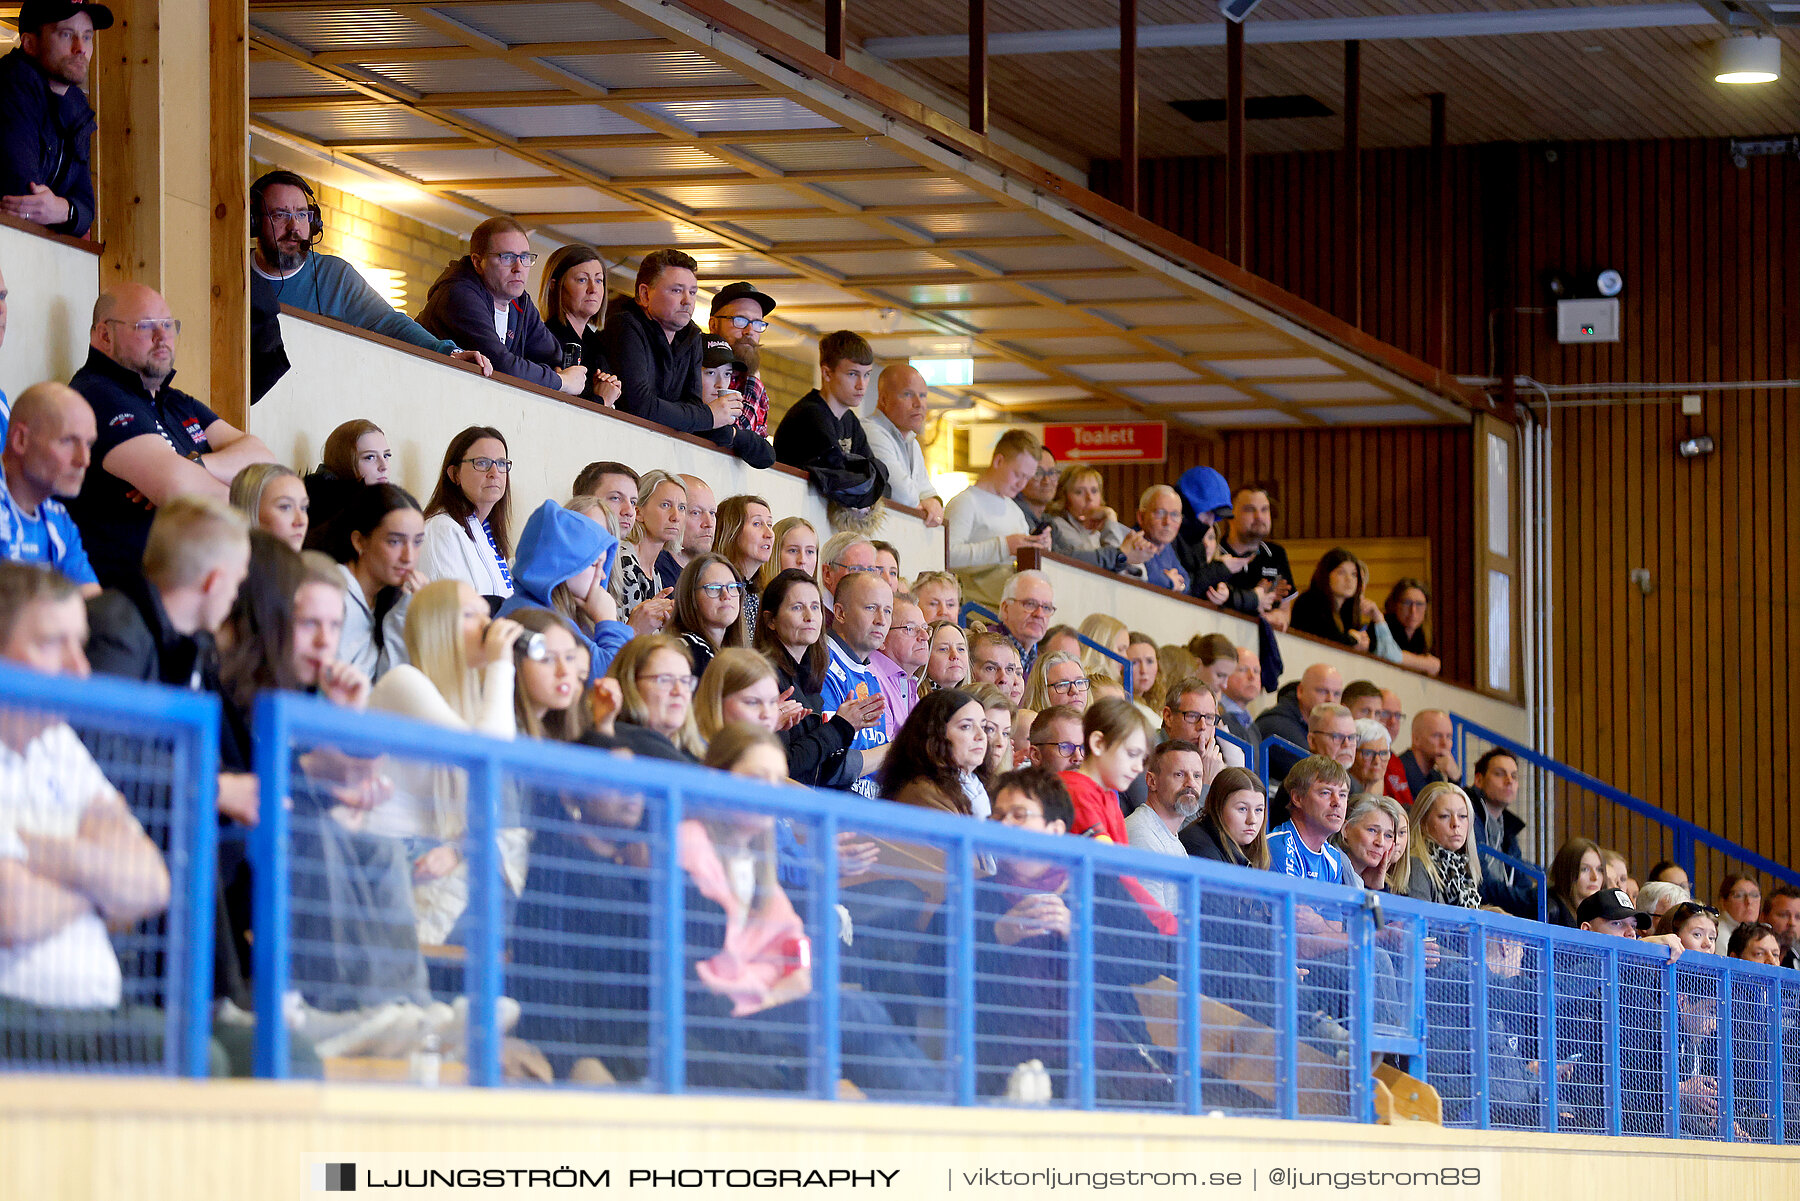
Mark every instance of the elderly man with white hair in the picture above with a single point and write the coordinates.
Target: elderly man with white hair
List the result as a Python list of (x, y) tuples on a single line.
[(1159, 520), (1027, 604)]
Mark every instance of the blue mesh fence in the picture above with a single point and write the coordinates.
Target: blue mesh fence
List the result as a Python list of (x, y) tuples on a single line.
[(631, 925), (108, 845)]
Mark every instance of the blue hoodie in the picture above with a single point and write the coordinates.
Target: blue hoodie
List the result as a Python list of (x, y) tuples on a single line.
[(558, 545)]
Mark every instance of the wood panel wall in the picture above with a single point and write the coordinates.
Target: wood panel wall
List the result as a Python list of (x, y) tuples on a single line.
[(1342, 484), (1680, 696)]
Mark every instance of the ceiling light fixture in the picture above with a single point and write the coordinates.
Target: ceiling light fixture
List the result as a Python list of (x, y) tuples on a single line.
[(1751, 59)]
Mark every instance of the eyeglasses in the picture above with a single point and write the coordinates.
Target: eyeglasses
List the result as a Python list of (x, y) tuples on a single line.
[(1194, 717), (1410, 604), (747, 323), (1070, 687), (1340, 739), (1163, 514), (509, 259), (912, 629), (854, 567), (1033, 606), (1068, 750), (149, 325), (484, 465), (670, 681), (283, 216), (715, 591), (1046, 473), (1374, 756), (1754, 894)]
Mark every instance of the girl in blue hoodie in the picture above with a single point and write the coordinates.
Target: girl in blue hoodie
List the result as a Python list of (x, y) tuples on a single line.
[(564, 562)]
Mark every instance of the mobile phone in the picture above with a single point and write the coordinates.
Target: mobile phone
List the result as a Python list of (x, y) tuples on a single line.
[(1043, 524)]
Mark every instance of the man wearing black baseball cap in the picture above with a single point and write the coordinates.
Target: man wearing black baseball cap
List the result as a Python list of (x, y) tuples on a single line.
[(740, 315), (46, 121)]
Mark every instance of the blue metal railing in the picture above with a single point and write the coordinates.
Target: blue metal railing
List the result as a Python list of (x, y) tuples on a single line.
[(1600, 1036), (1125, 676), (160, 748), (1685, 834)]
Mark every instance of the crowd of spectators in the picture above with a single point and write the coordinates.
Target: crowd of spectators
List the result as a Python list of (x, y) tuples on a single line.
[(646, 615)]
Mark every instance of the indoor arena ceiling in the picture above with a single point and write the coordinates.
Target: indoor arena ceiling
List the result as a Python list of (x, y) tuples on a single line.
[(631, 125), (1512, 70)]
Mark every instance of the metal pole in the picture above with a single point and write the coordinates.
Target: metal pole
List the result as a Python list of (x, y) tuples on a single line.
[(1236, 237), (1128, 103), (978, 66), (1353, 178)]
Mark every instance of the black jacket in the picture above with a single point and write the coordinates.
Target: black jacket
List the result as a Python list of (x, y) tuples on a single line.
[(818, 745), (593, 351), (1501, 885), (1203, 842), (44, 139), (129, 635), (1312, 614), (660, 380), (1283, 721), (1269, 563), (833, 450), (459, 307)]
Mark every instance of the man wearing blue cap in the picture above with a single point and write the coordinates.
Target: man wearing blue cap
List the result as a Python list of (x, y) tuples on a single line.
[(46, 121)]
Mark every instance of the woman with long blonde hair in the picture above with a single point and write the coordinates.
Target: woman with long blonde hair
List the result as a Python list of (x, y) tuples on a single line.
[(1445, 867), (796, 546), (460, 676)]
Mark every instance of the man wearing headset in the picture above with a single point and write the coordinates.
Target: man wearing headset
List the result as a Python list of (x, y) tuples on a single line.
[(286, 269)]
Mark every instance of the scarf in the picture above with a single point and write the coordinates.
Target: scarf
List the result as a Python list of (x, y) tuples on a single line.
[(1459, 885)]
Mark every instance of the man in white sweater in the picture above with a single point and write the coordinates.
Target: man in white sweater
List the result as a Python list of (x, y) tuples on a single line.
[(985, 529)]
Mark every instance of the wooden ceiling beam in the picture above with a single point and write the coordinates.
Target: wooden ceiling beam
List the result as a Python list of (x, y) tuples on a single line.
[(350, 55)]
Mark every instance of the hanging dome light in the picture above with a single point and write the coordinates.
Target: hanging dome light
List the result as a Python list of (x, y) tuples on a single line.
[(1750, 59)]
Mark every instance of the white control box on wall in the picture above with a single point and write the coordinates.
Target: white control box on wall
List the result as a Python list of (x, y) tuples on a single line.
[(1587, 320)]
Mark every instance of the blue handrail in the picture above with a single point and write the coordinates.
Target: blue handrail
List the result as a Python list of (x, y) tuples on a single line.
[(1686, 833), (1125, 676), (188, 723), (1274, 742), (1369, 965)]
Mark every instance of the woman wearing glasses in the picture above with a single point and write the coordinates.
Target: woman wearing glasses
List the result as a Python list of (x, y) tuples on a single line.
[(1740, 901), (467, 531), (1368, 771), (656, 706), (1408, 603), (709, 609), (1056, 679)]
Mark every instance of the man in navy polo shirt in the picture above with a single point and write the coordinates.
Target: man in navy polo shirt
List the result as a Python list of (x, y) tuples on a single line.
[(155, 441), (43, 455)]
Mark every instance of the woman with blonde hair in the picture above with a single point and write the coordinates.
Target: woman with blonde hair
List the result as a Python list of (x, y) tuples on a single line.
[(745, 535), (1111, 633), (709, 608), (1173, 665), (274, 498), (661, 519), (460, 675), (796, 547), (739, 687), (1056, 679), (1445, 867), (1370, 834), (655, 675), (1083, 527)]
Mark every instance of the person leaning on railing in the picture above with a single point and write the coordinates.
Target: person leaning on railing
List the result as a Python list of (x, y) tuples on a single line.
[(46, 121), (572, 301), (479, 303)]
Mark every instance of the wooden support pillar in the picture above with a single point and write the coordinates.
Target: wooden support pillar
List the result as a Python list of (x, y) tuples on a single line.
[(172, 159), (978, 66), (1128, 101), (1236, 235), (229, 123), (1437, 252), (834, 29), (127, 146), (1353, 225)]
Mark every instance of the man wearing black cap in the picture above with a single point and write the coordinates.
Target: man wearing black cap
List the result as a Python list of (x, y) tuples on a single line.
[(655, 348), (740, 315), (45, 118)]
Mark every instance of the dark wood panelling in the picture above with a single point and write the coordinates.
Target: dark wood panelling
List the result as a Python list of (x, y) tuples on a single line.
[(1344, 483), (1681, 696)]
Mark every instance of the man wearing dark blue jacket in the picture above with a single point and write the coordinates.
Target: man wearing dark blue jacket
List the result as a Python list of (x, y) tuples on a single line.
[(46, 121), (1497, 827), (655, 349), (479, 303)]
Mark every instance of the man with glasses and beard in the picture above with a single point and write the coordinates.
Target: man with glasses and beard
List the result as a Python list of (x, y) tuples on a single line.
[(1175, 777), (739, 315), (286, 269)]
